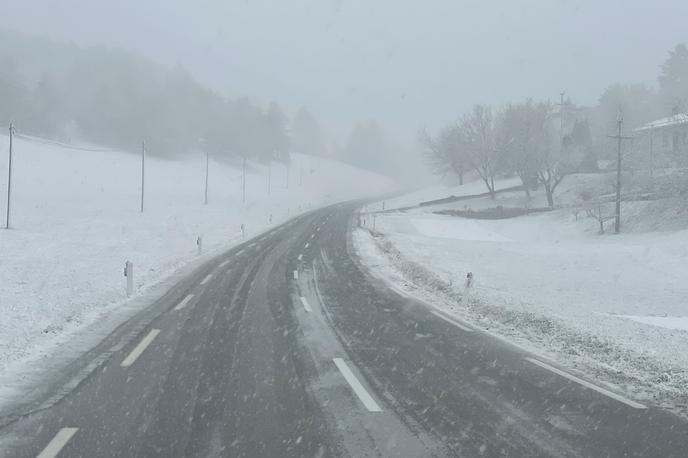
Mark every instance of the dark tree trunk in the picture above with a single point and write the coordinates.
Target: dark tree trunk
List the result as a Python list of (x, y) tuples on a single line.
[(550, 197), (526, 186), (489, 184)]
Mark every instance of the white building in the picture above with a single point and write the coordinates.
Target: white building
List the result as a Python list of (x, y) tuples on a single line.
[(666, 139)]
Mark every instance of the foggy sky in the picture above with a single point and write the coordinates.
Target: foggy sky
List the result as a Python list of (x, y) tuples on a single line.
[(406, 63)]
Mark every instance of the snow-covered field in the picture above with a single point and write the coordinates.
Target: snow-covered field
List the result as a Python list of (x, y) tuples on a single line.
[(76, 220), (443, 190), (615, 307)]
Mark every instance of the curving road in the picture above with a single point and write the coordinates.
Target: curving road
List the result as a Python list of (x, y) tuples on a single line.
[(287, 346)]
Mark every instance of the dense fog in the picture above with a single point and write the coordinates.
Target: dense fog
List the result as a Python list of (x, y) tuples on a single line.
[(351, 80), (330, 228)]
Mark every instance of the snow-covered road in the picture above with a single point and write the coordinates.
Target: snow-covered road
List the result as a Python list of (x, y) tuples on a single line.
[(76, 220)]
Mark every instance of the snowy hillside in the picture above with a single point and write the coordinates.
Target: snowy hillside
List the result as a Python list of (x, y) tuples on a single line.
[(76, 220)]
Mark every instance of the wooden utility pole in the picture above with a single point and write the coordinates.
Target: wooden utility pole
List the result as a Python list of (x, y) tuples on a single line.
[(207, 167), (244, 181), (143, 172), (652, 165), (620, 138), (9, 179), (561, 120)]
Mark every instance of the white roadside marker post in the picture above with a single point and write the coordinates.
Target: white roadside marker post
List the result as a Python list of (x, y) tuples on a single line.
[(467, 287), (9, 179), (129, 273), (199, 244)]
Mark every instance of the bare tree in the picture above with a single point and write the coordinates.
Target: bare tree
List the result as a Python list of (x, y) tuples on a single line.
[(521, 139), (553, 162), (599, 214), (446, 153), (519, 134), (478, 132)]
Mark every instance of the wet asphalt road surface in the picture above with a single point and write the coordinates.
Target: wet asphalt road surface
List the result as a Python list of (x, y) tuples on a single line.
[(287, 346)]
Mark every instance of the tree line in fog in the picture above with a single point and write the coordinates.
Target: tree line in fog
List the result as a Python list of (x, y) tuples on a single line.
[(542, 141), (115, 98)]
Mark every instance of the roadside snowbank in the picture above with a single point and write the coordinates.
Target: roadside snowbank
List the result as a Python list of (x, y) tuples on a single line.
[(600, 305), (76, 220)]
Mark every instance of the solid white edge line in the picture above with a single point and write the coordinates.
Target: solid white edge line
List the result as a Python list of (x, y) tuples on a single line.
[(306, 305), (296, 275), (450, 321), (634, 404), (300, 257), (206, 279), (184, 301), (587, 384), (223, 263), (57, 443), (140, 348), (355, 385)]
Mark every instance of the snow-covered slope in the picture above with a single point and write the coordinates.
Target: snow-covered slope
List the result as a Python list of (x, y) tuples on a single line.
[(76, 220), (612, 305)]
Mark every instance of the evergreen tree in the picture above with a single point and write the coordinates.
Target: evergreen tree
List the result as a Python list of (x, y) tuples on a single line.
[(673, 79), (307, 135)]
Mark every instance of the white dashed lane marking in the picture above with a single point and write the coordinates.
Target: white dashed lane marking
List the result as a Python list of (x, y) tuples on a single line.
[(300, 257), (355, 385), (207, 279), (140, 348), (587, 384), (306, 305), (184, 302), (296, 275), (57, 443)]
